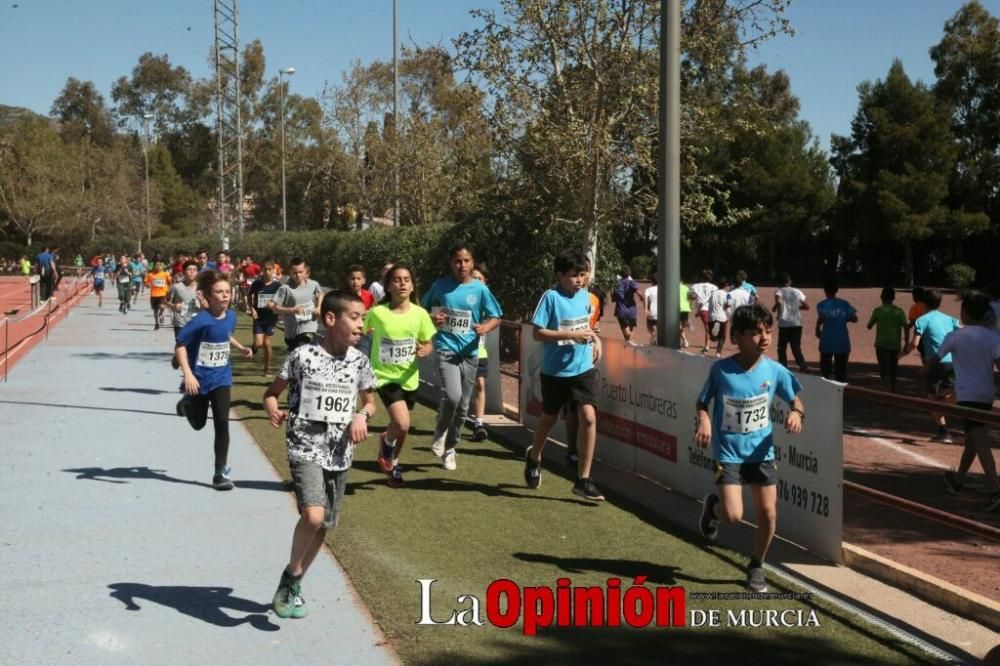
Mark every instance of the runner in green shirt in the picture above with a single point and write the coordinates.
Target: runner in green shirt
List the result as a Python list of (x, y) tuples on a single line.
[(401, 332), (891, 335)]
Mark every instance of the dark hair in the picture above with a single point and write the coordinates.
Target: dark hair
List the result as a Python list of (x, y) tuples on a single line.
[(706, 275), (976, 304), (398, 266), (784, 278), (481, 267), (831, 285), (722, 281), (355, 268), (749, 318), (189, 262), (626, 272), (208, 279), (652, 277), (336, 301), (297, 261), (932, 298), (458, 247), (570, 261), (741, 275), (888, 294), (918, 294)]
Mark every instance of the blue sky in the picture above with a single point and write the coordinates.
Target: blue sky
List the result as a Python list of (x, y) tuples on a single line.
[(838, 43)]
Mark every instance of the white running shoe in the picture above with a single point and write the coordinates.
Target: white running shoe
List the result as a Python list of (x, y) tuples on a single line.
[(437, 446), (449, 460)]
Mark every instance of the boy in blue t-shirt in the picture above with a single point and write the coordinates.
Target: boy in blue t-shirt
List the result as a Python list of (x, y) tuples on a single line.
[(98, 273), (741, 389), (832, 316), (929, 331), (562, 322)]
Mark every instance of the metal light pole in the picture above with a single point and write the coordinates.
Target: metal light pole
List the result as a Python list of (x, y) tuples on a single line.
[(395, 110), (281, 94), (146, 117), (668, 243)]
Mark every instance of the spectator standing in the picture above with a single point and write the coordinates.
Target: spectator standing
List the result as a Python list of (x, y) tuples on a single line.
[(788, 305)]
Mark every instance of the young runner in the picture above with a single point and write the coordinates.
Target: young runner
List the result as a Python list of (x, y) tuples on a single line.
[(98, 273), (158, 281), (718, 314), (570, 410), (625, 305), (203, 354), (138, 275), (742, 283), (701, 292), (123, 281), (298, 301), (976, 351), (929, 331), (401, 332), (462, 309), (890, 326), (377, 288), (562, 323), (917, 310), (685, 307), (479, 433), (356, 285), (324, 423), (262, 292), (182, 299), (788, 305), (832, 316), (649, 296), (740, 390)]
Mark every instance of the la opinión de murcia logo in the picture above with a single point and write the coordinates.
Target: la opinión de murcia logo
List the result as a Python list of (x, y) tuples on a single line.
[(634, 606)]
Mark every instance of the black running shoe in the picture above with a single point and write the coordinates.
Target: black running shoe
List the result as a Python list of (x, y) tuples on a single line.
[(951, 483), (532, 470), (585, 488), (708, 524), (756, 580), (223, 480), (479, 432)]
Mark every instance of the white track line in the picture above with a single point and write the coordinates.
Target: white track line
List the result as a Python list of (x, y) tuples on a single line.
[(898, 448)]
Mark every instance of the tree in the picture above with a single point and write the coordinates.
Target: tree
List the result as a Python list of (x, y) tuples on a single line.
[(82, 115), (896, 165), (34, 177), (157, 88), (574, 90)]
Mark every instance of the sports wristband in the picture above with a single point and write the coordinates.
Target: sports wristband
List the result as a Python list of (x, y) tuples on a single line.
[(802, 415), (365, 412)]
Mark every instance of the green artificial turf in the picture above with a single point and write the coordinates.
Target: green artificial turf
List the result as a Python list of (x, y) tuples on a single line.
[(480, 523)]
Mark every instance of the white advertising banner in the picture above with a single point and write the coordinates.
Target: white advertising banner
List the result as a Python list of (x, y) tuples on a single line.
[(646, 419)]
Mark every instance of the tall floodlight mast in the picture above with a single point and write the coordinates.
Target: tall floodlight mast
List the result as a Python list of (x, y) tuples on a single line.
[(229, 123)]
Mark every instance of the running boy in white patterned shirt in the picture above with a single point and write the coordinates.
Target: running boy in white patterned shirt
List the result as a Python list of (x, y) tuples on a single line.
[(324, 424)]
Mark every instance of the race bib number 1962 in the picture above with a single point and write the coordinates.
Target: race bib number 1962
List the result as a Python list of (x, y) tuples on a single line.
[(745, 415), (327, 401)]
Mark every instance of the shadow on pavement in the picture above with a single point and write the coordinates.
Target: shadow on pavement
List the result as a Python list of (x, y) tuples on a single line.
[(202, 603), (125, 474), (143, 391), (128, 356), (172, 414)]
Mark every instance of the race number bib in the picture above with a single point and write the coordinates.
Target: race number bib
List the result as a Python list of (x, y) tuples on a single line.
[(328, 402), (745, 415), (578, 324), (397, 352), (192, 307), (122, 279), (159, 283), (455, 321), (263, 300), (307, 313), (213, 354)]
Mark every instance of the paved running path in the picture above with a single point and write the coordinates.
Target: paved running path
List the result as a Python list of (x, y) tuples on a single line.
[(115, 549)]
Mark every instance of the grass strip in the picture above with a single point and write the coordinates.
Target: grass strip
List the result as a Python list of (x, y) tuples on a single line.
[(480, 523)]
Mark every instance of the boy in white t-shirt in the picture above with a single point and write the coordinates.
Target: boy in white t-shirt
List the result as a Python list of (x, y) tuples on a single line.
[(788, 304), (699, 293), (975, 352), (718, 314), (649, 296)]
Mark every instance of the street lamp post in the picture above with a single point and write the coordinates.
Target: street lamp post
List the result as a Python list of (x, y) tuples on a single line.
[(395, 112), (146, 117), (281, 94)]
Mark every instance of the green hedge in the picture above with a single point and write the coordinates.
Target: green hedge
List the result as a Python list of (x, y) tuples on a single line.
[(518, 252)]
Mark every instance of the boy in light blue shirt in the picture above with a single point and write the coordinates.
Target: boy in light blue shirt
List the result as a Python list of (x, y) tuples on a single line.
[(740, 390), (562, 323), (929, 331), (832, 316)]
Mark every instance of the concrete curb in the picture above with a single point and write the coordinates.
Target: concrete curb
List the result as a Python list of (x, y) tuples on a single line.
[(933, 590)]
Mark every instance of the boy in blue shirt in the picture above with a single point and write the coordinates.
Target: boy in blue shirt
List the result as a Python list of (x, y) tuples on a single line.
[(741, 389), (562, 322), (98, 274), (929, 331), (832, 316)]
